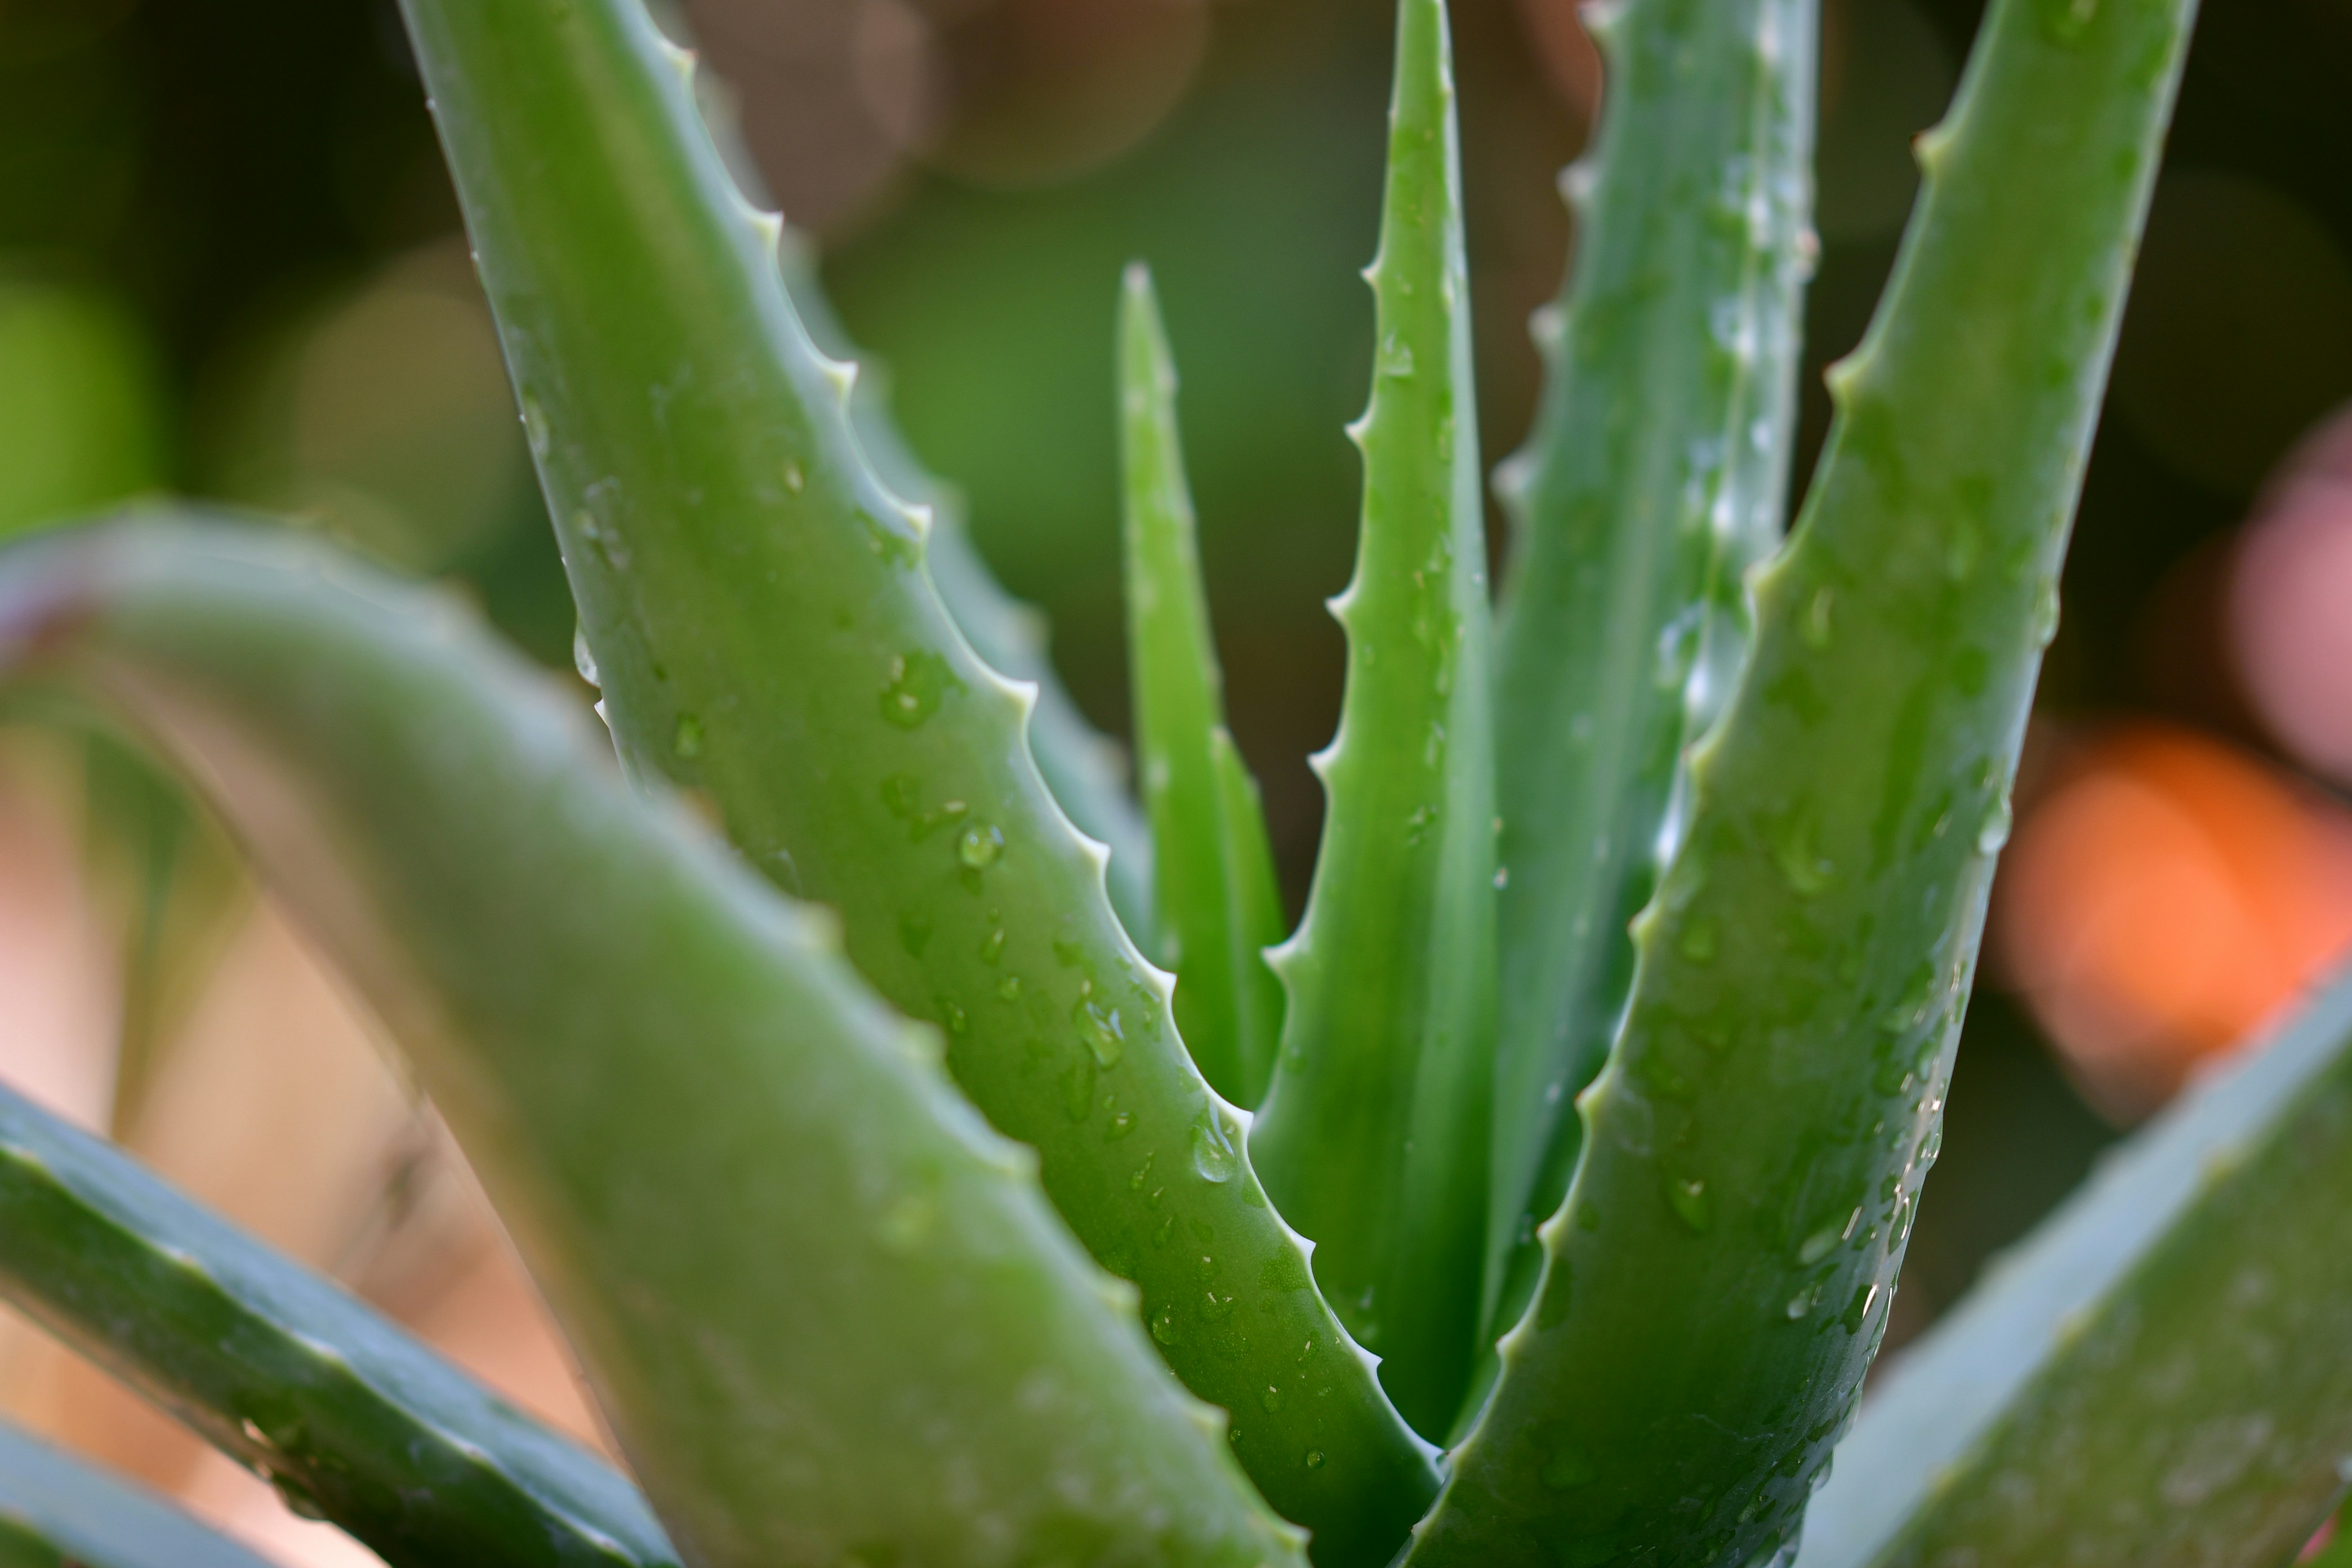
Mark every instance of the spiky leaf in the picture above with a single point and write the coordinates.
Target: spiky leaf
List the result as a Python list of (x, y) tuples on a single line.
[(1374, 1138), (756, 609), (1219, 907), (1655, 475), (1718, 1278)]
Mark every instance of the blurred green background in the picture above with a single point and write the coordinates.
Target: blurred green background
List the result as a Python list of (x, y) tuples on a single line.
[(230, 264)]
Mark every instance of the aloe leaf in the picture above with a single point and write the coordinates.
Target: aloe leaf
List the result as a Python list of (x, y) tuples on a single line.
[(1081, 766), (679, 1095), (1655, 475), (1374, 1137), (1219, 905), (755, 603), (57, 1511), (349, 1418), (2080, 1407), (1718, 1278)]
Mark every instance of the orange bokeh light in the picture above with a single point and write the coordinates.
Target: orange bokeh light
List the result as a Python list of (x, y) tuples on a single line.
[(2166, 895)]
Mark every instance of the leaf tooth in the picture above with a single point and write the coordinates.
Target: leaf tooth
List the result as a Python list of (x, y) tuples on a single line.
[(1578, 181), (1932, 148), (1604, 22), (841, 373), (678, 57)]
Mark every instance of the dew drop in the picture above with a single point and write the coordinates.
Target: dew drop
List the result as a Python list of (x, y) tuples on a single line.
[(919, 683), (794, 479), (1688, 1197), (1993, 831), (1100, 1028), (979, 847), (1213, 1151), (687, 740), (1314, 1458), (1271, 1399), (582, 659), (1698, 941), (1815, 627), (534, 426), (1163, 1326), (1819, 1244), (1396, 357), (2045, 613)]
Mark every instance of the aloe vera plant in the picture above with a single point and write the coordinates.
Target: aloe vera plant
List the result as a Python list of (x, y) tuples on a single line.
[(903, 1209)]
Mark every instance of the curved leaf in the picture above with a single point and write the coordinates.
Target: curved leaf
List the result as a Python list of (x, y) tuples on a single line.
[(349, 1418), (827, 1309)]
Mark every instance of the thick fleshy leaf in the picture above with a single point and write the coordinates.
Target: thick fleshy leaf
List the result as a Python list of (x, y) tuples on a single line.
[(1657, 472), (1718, 1278), (57, 1512), (1218, 905), (2160, 1377), (827, 1309), (755, 605), (352, 1420), (1083, 767), (1374, 1139)]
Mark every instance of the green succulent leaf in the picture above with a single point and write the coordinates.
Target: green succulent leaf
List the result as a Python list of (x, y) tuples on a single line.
[(1374, 1138), (755, 606), (2156, 1378), (349, 1417), (1718, 1278), (1657, 472), (57, 1512), (1219, 907), (1081, 766), (828, 1310)]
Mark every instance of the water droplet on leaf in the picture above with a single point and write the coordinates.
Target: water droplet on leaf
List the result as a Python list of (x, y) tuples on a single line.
[(1212, 1149)]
